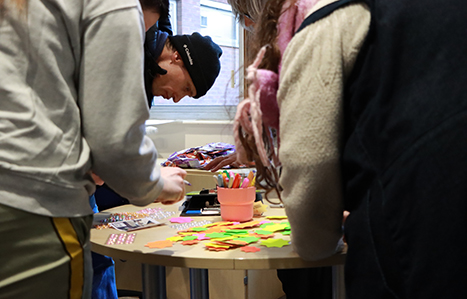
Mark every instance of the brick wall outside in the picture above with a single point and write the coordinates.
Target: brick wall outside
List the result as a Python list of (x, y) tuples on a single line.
[(222, 93)]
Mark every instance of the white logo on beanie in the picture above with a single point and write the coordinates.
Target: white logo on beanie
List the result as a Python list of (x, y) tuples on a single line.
[(187, 51)]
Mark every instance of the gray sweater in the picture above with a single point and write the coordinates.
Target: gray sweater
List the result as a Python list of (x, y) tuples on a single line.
[(72, 100), (314, 68)]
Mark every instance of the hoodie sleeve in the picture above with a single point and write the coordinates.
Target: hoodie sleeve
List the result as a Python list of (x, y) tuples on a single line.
[(113, 104)]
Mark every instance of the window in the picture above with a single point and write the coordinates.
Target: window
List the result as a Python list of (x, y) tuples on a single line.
[(213, 18), (220, 23), (204, 22), (173, 15)]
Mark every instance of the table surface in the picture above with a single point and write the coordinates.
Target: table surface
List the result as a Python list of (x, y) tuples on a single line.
[(196, 256)]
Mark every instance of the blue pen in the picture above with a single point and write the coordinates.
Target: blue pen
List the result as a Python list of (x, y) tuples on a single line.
[(193, 212)]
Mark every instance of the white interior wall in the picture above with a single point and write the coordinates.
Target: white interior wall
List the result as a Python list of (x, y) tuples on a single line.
[(173, 136)]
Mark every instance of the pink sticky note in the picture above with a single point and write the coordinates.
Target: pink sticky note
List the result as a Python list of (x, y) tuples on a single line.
[(201, 236), (181, 219)]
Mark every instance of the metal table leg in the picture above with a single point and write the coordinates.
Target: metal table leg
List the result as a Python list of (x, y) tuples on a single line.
[(154, 286), (338, 285), (199, 284)]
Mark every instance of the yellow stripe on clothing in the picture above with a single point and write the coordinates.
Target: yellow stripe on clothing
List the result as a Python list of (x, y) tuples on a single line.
[(75, 251)]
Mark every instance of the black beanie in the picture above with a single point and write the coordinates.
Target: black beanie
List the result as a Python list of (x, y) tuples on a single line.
[(201, 58)]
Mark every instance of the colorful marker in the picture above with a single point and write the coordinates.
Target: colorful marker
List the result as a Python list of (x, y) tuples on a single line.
[(250, 176), (236, 182), (252, 183), (245, 183), (220, 180)]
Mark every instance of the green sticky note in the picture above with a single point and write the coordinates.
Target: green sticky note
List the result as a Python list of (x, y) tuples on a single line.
[(275, 242), (189, 238), (262, 232), (217, 235), (236, 231)]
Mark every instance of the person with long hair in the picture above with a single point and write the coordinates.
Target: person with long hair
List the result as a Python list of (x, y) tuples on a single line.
[(68, 109), (272, 24), (259, 136)]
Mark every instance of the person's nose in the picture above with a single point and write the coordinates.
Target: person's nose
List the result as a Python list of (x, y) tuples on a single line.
[(176, 98)]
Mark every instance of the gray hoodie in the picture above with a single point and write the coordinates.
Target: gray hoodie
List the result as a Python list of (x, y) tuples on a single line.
[(72, 99)]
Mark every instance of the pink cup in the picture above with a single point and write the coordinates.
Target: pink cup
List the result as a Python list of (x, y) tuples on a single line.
[(236, 203)]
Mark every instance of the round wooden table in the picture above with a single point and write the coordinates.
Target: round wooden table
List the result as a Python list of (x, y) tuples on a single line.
[(198, 259)]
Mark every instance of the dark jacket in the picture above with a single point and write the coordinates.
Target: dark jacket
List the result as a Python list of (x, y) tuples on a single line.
[(405, 156), (153, 46)]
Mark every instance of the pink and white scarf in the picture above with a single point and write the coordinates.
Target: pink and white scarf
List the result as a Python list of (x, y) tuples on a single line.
[(260, 110)]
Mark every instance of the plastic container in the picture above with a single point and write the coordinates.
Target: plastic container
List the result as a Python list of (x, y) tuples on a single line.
[(236, 203)]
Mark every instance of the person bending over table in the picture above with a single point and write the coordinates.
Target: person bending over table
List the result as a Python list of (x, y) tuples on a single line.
[(68, 109), (173, 71), (155, 14), (174, 80), (366, 125)]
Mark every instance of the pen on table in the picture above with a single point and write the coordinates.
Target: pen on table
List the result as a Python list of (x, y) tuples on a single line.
[(276, 205), (187, 183)]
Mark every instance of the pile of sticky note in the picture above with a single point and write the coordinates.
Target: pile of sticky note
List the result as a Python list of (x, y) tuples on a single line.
[(221, 236)]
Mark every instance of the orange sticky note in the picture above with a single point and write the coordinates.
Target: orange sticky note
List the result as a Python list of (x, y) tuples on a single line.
[(159, 244), (190, 242)]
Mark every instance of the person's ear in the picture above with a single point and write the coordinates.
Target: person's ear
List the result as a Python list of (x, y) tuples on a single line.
[(176, 57)]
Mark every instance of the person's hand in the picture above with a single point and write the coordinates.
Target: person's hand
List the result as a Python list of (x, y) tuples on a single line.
[(219, 162), (174, 186), (97, 179), (346, 214)]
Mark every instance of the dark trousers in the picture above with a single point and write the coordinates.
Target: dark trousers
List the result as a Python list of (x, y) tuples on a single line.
[(406, 237), (306, 283), (106, 198)]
